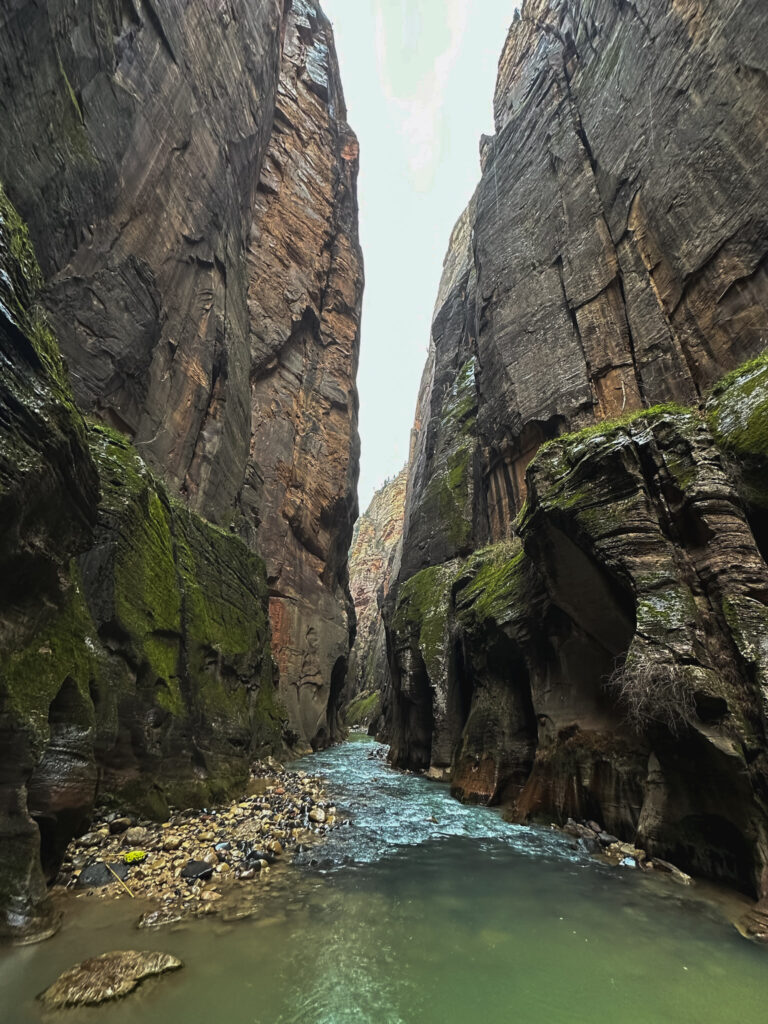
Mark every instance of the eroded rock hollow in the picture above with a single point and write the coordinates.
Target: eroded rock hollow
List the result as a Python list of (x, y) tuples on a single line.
[(579, 623), (179, 218)]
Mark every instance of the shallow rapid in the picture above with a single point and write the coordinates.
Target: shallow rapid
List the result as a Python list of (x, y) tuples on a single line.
[(422, 911)]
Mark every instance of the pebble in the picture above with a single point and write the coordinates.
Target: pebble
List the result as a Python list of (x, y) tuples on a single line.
[(135, 836)]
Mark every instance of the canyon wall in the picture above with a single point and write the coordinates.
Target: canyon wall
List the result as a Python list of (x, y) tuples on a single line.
[(374, 559), (578, 627), (189, 182), (186, 177)]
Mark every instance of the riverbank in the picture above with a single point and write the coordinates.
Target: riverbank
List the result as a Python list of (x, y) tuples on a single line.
[(192, 863), (421, 911)]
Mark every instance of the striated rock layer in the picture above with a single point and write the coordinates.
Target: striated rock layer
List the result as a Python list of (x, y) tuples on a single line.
[(135, 662), (584, 634), (374, 559), (189, 178), (304, 296)]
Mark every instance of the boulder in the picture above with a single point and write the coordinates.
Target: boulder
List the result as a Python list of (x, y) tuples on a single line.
[(106, 977)]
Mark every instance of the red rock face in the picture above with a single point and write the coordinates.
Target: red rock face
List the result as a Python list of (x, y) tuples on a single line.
[(188, 179), (305, 285)]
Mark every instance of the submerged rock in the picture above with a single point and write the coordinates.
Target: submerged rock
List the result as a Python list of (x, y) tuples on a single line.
[(106, 977), (754, 925)]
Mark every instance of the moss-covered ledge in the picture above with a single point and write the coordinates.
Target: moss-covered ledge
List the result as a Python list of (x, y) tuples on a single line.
[(737, 412), (181, 607)]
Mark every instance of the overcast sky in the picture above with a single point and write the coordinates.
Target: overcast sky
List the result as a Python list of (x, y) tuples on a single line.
[(418, 78)]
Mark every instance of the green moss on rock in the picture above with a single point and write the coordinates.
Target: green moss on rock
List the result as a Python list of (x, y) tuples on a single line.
[(498, 584), (738, 417), (63, 646), (422, 611), (605, 429), (191, 601), (363, 710)]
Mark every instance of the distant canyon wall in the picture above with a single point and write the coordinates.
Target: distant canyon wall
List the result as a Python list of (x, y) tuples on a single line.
[(374, 562)]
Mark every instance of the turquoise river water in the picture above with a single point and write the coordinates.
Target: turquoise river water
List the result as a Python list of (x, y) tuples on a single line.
[(406, 920)]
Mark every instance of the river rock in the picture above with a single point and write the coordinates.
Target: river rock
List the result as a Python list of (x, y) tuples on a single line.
[(670, 869), (573, 828), (197, 869), (755, 923), (161, 917), (95, 876), (135, 836), (317, 814), (106, 977), (606, 839), (118, 825)]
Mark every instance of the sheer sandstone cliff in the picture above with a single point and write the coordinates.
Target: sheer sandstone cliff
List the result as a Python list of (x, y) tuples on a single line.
[(188, 178), (188, 181), (584, 634), (373, 559)]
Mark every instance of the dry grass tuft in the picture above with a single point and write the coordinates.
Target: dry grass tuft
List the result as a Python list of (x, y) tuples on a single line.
[(653, 693)]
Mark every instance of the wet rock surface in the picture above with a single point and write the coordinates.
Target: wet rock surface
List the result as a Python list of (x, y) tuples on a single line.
[(165, 197), (48, 494), (104, 978), (165, 208)]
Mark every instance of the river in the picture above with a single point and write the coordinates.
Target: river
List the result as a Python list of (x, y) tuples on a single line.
[(422, 911)]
